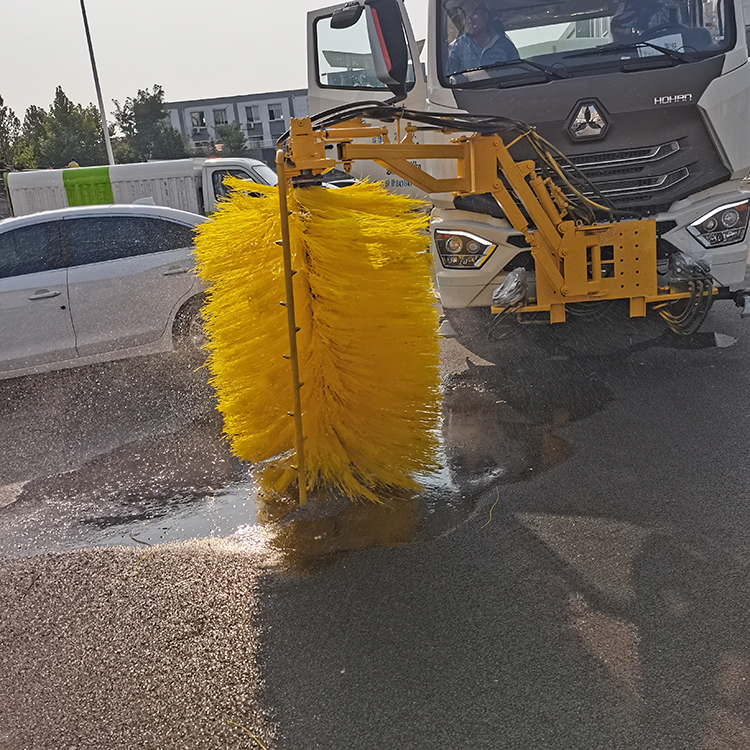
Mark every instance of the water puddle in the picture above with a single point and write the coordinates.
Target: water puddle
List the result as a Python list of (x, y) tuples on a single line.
[(185, 484), (723, 341), (501, 424)]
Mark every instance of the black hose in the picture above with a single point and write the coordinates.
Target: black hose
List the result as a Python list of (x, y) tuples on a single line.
[(484, 125), (696, 309)]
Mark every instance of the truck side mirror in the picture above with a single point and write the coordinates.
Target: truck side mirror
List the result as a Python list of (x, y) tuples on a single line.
[(388, 44), (347, 16)]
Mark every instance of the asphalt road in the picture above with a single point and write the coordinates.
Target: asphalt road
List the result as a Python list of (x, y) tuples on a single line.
[(593, 597), (574, 578)]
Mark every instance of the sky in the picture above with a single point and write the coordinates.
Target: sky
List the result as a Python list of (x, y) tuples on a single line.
[(192, 49)]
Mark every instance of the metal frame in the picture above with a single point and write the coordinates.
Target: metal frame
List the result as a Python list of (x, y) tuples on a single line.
[(567, 254), (292, 328)]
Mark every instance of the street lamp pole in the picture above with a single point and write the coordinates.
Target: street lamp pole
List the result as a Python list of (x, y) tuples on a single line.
[(105, 129)]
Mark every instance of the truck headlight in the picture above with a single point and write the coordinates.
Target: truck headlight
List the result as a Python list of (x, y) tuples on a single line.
[(722, 226), (462, 250)]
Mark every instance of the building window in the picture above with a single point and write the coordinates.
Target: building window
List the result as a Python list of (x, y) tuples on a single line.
[(220, 117), (252, 114), (198, 119), (255, 141), (275, 112)]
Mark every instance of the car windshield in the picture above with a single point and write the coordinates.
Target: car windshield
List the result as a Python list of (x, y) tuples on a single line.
[(487, 40)]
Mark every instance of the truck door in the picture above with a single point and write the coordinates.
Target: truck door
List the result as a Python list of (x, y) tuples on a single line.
[(341, 70)]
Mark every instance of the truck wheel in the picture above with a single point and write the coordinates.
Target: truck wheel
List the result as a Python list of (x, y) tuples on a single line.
[(479, 331), (188, 333)]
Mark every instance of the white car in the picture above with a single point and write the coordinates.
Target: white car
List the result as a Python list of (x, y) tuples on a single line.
[(96, 283)]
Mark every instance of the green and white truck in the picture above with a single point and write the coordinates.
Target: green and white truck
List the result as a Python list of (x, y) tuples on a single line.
[(188, 184)]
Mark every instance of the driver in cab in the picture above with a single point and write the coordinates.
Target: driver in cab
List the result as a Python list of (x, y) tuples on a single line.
[(636, 17), (483, 41)]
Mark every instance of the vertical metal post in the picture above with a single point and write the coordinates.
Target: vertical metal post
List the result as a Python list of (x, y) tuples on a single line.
[(292, 326), (105, 128)]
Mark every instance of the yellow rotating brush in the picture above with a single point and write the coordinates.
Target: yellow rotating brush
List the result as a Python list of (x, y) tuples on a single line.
[(367, 340)]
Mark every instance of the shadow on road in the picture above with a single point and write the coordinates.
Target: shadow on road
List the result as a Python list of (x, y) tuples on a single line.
[(691, 610), (576, 602)]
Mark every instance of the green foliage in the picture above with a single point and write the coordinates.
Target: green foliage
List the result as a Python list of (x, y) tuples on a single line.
[(73, 133), (123, 152), (206, 151), (25, 156), (68, 132), (232, 140), (146, 133), (10, 133), (33, 132)]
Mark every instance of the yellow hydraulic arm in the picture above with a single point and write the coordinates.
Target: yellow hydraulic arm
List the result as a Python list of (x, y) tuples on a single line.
[(575, 261)]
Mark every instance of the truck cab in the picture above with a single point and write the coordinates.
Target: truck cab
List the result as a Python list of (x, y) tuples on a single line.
[(648, 100), (215, 171)]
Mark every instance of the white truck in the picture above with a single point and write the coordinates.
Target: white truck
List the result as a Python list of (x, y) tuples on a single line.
[(649, 100), (187, 184)]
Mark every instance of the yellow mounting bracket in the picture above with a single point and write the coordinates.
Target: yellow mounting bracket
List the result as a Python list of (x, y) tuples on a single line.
[(575, 262)]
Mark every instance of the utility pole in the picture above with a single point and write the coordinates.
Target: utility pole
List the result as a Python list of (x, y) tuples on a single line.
[(103, 117)]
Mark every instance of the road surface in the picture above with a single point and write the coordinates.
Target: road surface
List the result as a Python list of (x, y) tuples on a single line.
[(575, 577)]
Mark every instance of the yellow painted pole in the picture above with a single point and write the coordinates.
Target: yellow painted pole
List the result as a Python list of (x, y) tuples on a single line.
[(292, 326)]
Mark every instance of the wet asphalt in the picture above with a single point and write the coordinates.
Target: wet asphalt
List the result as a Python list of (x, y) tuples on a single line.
[(575, 577), (595, 596)]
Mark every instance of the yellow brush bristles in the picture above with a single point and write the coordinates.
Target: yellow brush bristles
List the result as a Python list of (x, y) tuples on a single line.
[(368, 345)]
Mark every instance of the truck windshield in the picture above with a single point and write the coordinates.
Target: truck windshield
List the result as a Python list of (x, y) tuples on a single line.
[(506, 42), (265, 174)]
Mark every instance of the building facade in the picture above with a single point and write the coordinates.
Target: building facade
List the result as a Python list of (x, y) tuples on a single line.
[(261, 117)]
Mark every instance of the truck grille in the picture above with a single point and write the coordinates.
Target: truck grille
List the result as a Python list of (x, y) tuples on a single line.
[(619, 158), (662, 227), (632, 178), (638, 181), (639, 185)]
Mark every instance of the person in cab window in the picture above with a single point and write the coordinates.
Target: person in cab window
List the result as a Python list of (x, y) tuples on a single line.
[(483, 41), (635, 17)]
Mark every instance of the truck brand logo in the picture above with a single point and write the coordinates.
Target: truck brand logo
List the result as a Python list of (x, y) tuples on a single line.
[(587, 122), (676, 99)]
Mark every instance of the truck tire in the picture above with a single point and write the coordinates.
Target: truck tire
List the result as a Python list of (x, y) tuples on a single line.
[(479, 331)]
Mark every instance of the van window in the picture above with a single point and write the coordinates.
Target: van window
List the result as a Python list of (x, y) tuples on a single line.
[(29, 249), (218, 177), (265, 175), (99, 239)]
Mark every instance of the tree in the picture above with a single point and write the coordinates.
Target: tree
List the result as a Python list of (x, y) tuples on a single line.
[(71, 133), (146, 132), (10, 133), (33, 133), (232, 140)]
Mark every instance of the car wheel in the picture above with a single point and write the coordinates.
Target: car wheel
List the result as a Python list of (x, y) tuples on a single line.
[(189, 334)]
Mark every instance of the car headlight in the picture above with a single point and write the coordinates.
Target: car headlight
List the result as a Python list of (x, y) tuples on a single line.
[(462, 250), (722, 226)]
